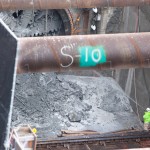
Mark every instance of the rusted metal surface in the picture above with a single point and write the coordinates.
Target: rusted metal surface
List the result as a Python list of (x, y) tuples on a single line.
[(65, 133), (63, 4), (67, 20), (78, 21), (124, 140), (99, 52)]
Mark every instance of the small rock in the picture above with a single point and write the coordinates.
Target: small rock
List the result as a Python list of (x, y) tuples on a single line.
[(17, 82), (75, 117), (57, 107), (65, 85), (30, 92), (87, 107), (68, 124)]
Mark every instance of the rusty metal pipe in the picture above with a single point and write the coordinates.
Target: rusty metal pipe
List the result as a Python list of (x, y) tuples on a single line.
[(63, 4), (40, 54)]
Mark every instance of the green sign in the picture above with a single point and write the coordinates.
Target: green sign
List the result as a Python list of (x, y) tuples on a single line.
[(91, 56)]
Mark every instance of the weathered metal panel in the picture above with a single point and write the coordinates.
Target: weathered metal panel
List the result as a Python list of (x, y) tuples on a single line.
[(8, 46)]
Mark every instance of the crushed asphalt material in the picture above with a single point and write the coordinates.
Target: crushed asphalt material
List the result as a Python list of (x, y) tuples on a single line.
[(52, 102)]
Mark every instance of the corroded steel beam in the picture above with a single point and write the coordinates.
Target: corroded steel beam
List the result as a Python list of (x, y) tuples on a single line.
[(106, 141), (62, 4), (40, 54)]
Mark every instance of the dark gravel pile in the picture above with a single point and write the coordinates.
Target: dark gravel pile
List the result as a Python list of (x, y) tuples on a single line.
[(53, 102)]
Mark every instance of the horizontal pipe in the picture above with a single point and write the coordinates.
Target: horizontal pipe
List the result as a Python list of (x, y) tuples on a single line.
[(100, 52), (63, 4)]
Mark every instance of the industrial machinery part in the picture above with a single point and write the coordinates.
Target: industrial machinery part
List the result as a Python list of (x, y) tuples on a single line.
[(33, 23), (7, 81), (29, 23), (99, 52), (63, 4), (120, 140)]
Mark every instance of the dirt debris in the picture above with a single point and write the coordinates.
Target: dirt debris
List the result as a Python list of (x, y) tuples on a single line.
[(52, 102)]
